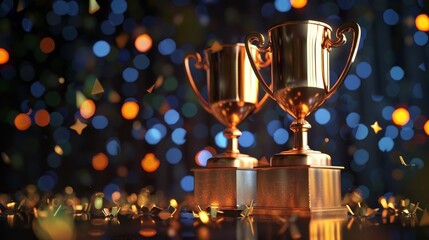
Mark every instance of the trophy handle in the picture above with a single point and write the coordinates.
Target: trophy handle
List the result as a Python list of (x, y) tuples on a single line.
[(249, 39), (262, 63), (341, 40), (199, 64)]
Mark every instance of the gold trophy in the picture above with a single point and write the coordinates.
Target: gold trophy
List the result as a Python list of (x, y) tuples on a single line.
[(300, 84), (229, 179)]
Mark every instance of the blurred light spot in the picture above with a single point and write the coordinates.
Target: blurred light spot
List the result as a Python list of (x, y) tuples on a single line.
[(282, 5), (143, 43), (150, 163), (385, 144), (426, 127), (360, 132), (422, 22), (153, 136), (387, 112), (46, 183), (392, 131), (397, 73), (37, 89), (73, 8), (130, 74), (246, 139), (113, 146), (42, 118), (390, 17), (118, 6), (281, 136), (141, 61), (47, 45), (220, 140), (60, 7), (189, 109), (61, 135), (167, 46), (363, 69), (407, 133), (69, 33), (108, 190), (174, 155), (101, 48), (22, 121), (100, 161), (53, 160), (161, 128), (397, 174), (272, 126), (100, 122), (129, 110), (171, 117), (419, 163), (178, 136), (420, 38), (345, 4), (298, 3), (107, 27), (400, 116), (364, 191), (352, 119), (268, 9), (87, 108), (187, 183), (58, 150), (352, 82), (147, 232), (4, 56), (116, 19), (322, 116), (202, 156), (361, 156)]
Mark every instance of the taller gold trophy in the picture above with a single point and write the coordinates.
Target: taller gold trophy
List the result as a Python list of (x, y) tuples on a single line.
[(229, 180), (301, 181)]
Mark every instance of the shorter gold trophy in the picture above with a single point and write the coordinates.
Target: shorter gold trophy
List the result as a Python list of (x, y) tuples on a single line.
[(305, 181), (229, 179)]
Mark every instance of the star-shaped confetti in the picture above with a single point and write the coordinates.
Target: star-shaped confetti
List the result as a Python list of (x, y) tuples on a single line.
[(376, 127), (78, 126)]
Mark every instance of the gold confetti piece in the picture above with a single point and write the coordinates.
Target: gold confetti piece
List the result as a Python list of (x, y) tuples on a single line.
[(248, 210), (376, 127), (58, 150), (93, 6), (78, 126), (404, 163), (5, 157), (122, 40), (158, 82), (20, 6), (216, 47), (97, 88), (80, 98)]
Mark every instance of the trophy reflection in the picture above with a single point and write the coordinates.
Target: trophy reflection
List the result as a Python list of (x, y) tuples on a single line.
[(233, 91), (300, 84)]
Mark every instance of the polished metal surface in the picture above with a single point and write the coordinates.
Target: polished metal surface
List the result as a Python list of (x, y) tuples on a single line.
[(233, 91), (300, 75), (303, 190), (230, 188)]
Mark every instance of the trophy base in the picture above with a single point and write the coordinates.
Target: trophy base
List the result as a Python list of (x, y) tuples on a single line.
[(306, 190), (295, 157), (229, 188), (234, 160)]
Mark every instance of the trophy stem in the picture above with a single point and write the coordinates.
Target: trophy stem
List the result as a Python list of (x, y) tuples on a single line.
[(231, 135), (300, 129)]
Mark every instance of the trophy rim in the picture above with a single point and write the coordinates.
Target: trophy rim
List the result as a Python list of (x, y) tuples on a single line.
[(300, 22), (210, 50)]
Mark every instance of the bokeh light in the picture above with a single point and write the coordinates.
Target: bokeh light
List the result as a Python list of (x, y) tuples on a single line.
[(129, 110), (42, 118), (4, 56), (400, 116), (150, 163), (422, 22), (101, 48), (143, 43), (426, 127), (100, 161), (298, 3), (187, 183), (22, 121), (87, 108)]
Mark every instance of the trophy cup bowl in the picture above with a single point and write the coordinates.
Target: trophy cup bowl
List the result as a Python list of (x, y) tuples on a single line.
[(300, 77), (233, 93)]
